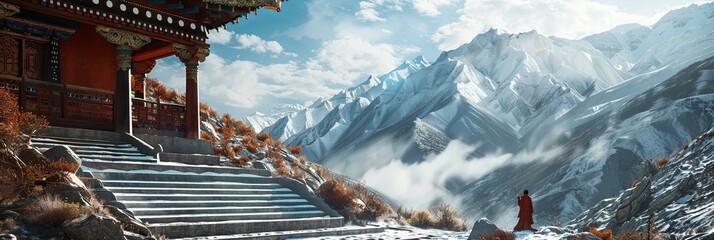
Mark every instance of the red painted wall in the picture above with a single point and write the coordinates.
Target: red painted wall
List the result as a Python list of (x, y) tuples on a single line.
[(88, 60)]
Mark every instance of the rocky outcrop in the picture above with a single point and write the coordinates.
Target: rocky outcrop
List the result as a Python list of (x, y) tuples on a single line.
[(95, 227), (32, 156), (482, 227), (633, 200), (128, 223), (63, 153)]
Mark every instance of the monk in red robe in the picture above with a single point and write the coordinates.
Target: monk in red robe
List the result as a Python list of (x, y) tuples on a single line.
[(525, 214)]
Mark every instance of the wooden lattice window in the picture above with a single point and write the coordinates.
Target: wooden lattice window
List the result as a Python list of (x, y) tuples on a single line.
[(9, 56), (35, 59)]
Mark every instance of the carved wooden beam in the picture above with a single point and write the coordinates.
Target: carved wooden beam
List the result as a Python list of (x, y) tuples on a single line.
[(191, 53), (7, 9), (126, 43)]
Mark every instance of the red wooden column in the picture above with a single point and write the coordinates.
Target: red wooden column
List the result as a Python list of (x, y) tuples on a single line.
[(191, 56), (126, 43)]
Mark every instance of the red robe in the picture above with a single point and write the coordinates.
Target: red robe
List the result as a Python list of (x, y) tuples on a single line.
[(525, 214)]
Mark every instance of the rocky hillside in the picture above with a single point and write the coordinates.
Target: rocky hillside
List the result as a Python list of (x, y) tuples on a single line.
[(675, 193)]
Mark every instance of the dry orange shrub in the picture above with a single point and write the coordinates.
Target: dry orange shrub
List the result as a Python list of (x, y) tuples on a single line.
[(262, 136), (16, 127), (207, 136), (500, 234), (242, 160), (634, 183), (662, 161), (295, 150), (337, 194), (605, 234), (422, 219), (244, 129)]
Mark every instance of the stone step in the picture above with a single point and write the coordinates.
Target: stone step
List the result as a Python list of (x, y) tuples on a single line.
[(206, 191), (230, 216), (171, 175), (309, 233), (127, 149), (80, 142), (213, 210), (129, 166), (178, 230), (201, 185), (131, 204), (205, 197), (104, 152), (116, 157), (83, 140)]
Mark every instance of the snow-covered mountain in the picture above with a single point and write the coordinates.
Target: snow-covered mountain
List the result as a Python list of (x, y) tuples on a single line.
[(601, 154), (570, 120), (260, 120)]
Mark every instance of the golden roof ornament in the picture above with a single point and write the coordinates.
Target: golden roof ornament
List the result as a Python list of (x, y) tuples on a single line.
[(7, 10)]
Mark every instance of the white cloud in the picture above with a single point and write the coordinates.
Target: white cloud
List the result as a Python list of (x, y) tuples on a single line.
[(349, 58), (222, 37), (368, 13), (430, 8), (569, 19), (337, 64), (257, 44)]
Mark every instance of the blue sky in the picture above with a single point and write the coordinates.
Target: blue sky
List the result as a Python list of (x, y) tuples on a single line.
[(315, 48)]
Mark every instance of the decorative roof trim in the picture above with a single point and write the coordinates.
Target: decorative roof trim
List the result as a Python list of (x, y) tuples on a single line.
[(269, 4)]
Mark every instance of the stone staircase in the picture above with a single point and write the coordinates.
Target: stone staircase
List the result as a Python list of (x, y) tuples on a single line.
[(199, 201)]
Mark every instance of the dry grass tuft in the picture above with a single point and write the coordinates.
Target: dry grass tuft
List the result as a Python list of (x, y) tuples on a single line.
[(52, 211), (337, 194), (662, 162), (634, 183), (241, 160), (422, 219), (295, 150), (23, 183), (298, 173), (448, 219), (500, 234), (605, 234), (262, 136)]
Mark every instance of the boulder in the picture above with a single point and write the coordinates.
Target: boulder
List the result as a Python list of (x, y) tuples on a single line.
[(7, 237), (32, 156), (71, 189), (582, 235), (633, 200), (482, 227), (552, 230), (648, 169), (95, 227), (128, 223), (57, 153), (8, 214)]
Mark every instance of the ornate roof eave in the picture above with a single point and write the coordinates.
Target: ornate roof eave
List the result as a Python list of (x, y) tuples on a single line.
[(269, 4)]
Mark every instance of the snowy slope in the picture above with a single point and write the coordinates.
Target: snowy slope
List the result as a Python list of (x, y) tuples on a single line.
[(678, 198), (602, 155), (260, 120)]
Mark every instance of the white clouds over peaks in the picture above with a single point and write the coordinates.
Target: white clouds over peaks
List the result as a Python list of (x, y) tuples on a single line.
[(430, 7), (337, 64), (368, 13), (569, 19), (222, 37), (257, 44)]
